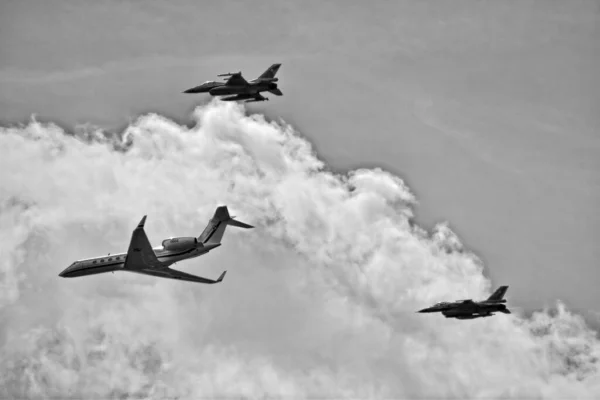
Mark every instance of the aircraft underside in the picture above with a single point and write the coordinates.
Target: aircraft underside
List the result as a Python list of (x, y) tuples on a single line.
[(475, 313), (469, 316), (229, 90)]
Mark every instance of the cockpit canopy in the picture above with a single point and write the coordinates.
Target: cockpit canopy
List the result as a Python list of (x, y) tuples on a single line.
[(211, 84), (442, 303)]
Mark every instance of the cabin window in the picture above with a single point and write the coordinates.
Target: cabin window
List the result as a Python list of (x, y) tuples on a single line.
[(110, 259), (94, 262), (102, 260)]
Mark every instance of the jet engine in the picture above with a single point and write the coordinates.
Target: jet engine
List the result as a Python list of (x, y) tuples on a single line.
[(180, 243)]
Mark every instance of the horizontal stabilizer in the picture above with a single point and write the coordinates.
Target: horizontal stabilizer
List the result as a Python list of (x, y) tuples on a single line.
[(222, 215), (276, 92), (239, 224), (213, 233)]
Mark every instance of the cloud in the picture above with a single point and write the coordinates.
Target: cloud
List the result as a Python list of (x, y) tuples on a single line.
[(319, 301)]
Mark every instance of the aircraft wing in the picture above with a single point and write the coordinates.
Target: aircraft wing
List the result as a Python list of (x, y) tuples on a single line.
[(237, 97), (179, 275), (236, 80), (246, 96), (140, 254)]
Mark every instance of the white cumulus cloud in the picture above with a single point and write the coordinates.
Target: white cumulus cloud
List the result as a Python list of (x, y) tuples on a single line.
[(319, 300)]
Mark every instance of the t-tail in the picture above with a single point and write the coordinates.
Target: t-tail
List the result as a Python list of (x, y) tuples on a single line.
[(498, 295), (213, 233)]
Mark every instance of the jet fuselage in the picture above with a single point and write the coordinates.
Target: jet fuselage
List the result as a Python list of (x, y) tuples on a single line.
[(222, 89), (251, 88), (468, 309), (167, 255)]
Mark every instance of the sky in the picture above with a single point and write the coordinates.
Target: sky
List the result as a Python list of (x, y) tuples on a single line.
[(487, 111)]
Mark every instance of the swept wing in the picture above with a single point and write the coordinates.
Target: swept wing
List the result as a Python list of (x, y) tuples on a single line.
[(140, 254), (171, 273), (141, 259), (235, 79)]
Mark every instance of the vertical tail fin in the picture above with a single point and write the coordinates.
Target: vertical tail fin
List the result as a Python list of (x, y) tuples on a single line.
[(213, 233), (270, 72), (498, 294)]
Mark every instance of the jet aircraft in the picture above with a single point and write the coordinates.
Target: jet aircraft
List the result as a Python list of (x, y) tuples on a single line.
[(242, 89), (469, 309), (141, 258)]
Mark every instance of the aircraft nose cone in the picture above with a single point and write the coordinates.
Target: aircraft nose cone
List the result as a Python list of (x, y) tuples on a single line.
[(65, 272), (197, 89), (425, 310)]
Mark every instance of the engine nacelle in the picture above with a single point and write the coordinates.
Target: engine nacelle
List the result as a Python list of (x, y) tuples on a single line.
[(180, 243)]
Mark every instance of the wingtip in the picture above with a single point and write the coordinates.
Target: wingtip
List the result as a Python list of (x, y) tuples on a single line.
[(142, 222), (222, 276)]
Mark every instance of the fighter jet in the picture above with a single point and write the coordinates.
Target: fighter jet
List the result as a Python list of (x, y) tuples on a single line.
[(141, 258), (469, 309), (240, 87)]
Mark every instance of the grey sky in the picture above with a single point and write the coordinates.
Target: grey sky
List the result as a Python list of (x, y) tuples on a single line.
[(488, 109)]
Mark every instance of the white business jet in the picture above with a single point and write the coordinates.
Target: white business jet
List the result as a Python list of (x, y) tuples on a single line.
[(141, 258)]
